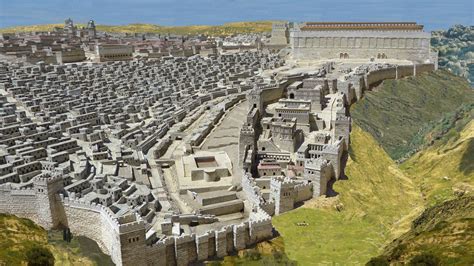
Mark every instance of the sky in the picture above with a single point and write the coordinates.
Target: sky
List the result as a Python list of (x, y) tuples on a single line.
[(434, 14)]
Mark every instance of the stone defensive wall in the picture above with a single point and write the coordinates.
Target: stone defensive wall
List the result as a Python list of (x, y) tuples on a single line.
[(405, 71), (20, 202), (396, 72), (95, 222), (303, 192), (375, 77), (421, 68), (126, 240), (188, 249), (253, 193), (353, 86), (251, 189)]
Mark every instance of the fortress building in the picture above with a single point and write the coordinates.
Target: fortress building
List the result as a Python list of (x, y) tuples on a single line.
[(343, 40), (280, 33)]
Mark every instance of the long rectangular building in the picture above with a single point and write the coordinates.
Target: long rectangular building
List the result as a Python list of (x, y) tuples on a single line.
[(343, 40)]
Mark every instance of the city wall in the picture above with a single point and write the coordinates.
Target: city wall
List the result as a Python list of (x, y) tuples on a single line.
[(127, 243), (422, 68), (353, 86), (397, 72), (95, 222), (20, 202), (375, 77)]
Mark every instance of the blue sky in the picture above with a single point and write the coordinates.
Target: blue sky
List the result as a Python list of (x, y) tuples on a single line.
[(434, 14)]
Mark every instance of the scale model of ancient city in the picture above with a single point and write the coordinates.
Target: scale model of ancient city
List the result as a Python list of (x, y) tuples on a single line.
[(173, 154)]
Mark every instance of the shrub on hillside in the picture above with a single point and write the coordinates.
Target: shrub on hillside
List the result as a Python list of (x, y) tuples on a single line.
[(424, 259), (39, 256), (378, 261)]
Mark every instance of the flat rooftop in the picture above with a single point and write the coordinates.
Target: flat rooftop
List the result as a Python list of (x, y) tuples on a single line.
[(410, 26)]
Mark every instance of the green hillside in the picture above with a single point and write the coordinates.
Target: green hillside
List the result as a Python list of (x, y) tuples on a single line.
[(379, 202), (445, 176), (446, 168), (18, 236), (444, 232), (375, 204), (380, 199), (398, 110), (225, 29)]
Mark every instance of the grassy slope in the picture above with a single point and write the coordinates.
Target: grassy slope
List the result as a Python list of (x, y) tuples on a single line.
[(443, 171), (376, 200), (17, 235), (445, 230), (270, 252), (445, 167), (380, 199), (225, 29), (396, 111)]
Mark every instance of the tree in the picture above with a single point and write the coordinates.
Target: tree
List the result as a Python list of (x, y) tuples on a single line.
[(39, 256)]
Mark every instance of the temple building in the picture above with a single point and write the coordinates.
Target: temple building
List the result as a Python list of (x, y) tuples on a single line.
[(377, 40)]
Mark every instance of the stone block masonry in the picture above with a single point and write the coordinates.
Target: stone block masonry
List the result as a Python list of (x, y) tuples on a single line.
[(312, 40), (115, 113), (125, 241)]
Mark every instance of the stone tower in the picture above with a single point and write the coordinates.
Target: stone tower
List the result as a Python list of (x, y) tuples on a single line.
[(132, 240), (69, 27), (341, 127), (283, 194), (280, 33), (47, 189), (255, 99), (319, 172), (246, 142), (91, 31)]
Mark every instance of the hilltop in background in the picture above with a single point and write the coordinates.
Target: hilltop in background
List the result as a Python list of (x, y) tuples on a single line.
[(408, 192), (225, 29), (455, 45), (456, 50)]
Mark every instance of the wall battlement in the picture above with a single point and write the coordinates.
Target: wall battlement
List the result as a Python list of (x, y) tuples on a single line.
[(184, 238), (99, 223), (130, 227), (22, 191)]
